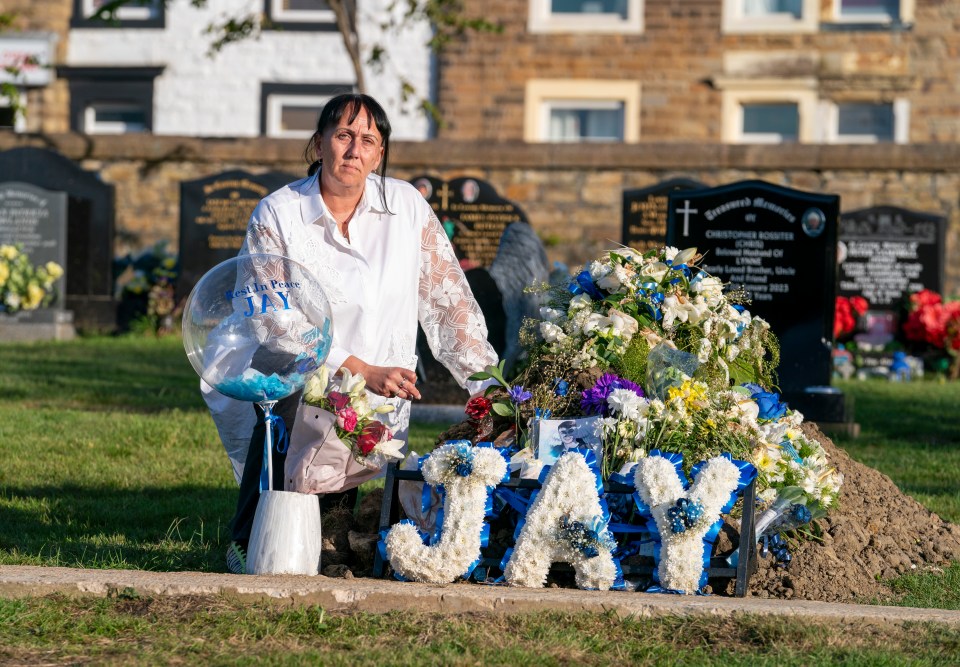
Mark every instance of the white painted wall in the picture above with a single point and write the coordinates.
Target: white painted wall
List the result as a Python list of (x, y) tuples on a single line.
[(219, 96)]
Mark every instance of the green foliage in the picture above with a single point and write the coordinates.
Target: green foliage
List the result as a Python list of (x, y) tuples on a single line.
[(633, 364)]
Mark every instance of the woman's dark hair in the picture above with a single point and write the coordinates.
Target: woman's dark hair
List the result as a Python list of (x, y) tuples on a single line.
[(351, 105)]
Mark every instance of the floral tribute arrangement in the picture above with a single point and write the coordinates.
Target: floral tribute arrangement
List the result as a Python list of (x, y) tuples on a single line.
[(24, 286), (147, 282), (675, 373), (933, 322), (371, 443)]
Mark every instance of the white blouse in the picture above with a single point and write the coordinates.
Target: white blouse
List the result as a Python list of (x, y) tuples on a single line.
[(398, 268)]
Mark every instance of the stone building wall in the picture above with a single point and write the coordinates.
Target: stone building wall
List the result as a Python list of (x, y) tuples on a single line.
[(571, 194), (680, 60)]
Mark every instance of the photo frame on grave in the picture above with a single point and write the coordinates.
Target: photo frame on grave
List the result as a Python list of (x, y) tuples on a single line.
[(552, 437)]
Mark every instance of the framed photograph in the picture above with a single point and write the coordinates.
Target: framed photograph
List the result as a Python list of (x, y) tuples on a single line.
[(553, 437)]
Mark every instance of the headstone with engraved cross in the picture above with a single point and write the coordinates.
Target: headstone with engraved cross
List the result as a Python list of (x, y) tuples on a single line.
[(779, 245)]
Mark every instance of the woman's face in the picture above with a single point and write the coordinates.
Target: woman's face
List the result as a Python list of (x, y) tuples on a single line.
[(566, 435), (350, 151)]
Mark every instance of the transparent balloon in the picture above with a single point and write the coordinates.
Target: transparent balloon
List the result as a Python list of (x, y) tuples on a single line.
[(255, 327)]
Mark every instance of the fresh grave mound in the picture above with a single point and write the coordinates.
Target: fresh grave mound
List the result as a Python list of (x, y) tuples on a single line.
[(874, 533)]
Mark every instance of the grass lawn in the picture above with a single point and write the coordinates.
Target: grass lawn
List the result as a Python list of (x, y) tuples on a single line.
[(110, 460)]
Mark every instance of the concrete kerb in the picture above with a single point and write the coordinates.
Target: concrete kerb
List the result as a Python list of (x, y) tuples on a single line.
[(380, 595)]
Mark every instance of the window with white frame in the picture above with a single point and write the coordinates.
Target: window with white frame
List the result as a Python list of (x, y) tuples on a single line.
[(610, 16), (584, 120), (291, 110), (133, 14), (769, 111), (865, 13), (868, 10), (299, 14), (115, 118), (867, 122), (581, 110), (110, 100), (770, 122), (770, 16)]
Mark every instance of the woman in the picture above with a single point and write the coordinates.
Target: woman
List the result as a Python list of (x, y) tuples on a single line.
[(384, 261)]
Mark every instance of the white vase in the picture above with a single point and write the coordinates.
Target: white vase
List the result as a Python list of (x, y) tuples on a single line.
[(286, 534)]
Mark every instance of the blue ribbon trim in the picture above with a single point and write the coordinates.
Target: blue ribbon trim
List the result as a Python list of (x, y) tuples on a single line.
[(281, 440), (583, 283)]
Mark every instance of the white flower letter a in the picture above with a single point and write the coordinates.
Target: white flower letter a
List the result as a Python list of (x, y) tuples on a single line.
[(660, 487), (569, 491), (463, 509)]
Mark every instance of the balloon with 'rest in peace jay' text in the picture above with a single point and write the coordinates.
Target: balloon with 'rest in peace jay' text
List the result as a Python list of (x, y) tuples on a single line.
[(255, 327)]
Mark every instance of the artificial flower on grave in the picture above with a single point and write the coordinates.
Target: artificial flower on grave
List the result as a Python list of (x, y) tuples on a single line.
[(848, 313), (371, 443), (23, 285), (935, 323)]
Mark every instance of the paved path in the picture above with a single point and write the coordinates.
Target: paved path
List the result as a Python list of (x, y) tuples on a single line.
[(380, 595)]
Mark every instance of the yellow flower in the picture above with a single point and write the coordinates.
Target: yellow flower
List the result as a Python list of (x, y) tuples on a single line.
[(4, 273), (54, 270), (33, 297), (8, 252)]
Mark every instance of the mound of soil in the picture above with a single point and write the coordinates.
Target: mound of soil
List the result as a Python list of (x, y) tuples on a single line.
[(875, 532)]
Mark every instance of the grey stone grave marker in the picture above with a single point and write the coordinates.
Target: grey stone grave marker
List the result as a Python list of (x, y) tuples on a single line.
[(36, 219), (90, 220)]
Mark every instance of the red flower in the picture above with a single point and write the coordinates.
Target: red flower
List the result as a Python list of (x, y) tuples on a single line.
[(372, 435), (478, 407), (338, 401), (859, 304), (923, 298)]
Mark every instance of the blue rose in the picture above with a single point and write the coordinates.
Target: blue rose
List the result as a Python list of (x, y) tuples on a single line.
[(770, 406)]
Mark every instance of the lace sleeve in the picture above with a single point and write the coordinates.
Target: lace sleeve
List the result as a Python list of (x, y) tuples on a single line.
[(450, 317)]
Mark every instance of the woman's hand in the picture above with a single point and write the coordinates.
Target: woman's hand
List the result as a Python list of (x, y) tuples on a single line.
[(389, 381)]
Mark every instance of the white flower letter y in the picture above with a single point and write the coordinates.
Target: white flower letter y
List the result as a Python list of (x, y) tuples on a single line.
[(464, 508), (568, 491), (660, 487)]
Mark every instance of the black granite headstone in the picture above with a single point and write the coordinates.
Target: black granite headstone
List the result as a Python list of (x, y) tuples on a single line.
[(473, 214), (645, 213), (214, 212), (887, 253), (90, 221), (779, 245)]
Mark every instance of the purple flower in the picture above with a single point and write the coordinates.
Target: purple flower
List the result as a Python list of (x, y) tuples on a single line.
[(594, 400), (518, 394)]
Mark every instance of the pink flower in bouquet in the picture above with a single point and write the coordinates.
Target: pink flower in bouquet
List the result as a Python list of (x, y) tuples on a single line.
[(372, 435), (347, 419), (338, 401)]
